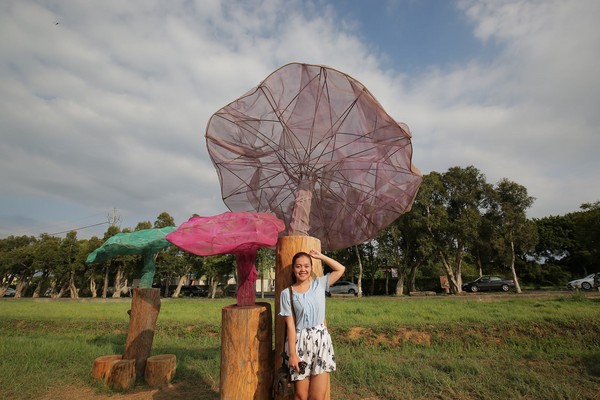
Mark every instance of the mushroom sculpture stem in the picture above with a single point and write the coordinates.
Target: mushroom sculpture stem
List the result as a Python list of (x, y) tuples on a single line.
[(148, 269), (247, 275), (300, 221)]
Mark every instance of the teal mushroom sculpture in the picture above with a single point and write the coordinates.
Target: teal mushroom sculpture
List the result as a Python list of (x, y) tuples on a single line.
[(146, 242)]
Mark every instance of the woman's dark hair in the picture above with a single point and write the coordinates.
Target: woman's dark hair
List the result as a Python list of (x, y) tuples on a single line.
[(297, 256)]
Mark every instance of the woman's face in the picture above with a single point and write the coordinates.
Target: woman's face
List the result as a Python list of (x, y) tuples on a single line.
[(302, 268)]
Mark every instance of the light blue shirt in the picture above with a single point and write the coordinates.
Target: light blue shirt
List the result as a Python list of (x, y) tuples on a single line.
[(309, 307)]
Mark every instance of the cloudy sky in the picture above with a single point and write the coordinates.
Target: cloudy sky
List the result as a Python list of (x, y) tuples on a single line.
[(104, 104)]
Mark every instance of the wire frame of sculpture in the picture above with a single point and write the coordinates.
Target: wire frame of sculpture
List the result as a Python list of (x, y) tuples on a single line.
[(313, 146)]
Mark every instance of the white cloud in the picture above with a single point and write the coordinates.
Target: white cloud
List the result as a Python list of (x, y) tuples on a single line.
[(530, 114), (108, 108)]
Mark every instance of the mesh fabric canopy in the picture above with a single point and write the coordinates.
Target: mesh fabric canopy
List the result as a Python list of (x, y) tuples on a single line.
[(236, 233), (131, 243), (227, 233), (146, 242), (313, 146)]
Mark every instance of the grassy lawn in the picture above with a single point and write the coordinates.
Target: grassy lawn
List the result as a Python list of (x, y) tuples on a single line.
[(459, 347)]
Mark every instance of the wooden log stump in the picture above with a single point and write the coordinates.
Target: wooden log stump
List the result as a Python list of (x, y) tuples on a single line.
[(246, 352), (145, 307), (103, 364), (287, 247), (121, 375), (160, 369)]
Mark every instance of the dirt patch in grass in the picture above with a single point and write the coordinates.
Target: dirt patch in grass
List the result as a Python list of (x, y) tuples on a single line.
[(182, 390), (389, 339)]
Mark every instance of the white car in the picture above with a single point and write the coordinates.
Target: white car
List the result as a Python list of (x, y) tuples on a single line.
[(343, 287), (584, 283), (10, 292)]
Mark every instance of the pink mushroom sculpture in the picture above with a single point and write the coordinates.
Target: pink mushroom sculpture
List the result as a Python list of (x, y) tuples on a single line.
[(238, 233), (312, 145)]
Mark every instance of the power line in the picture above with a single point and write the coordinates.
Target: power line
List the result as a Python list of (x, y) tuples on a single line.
[(78, 229)]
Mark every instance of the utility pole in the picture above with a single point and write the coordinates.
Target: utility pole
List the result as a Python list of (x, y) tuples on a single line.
[(114, 218)]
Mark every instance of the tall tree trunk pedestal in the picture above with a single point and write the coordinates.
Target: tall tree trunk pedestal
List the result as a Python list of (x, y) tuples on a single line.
[(246, 352), (287, 247), (145, 307)]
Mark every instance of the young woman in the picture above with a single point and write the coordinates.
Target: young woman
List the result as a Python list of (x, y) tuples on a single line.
[(308, 331)]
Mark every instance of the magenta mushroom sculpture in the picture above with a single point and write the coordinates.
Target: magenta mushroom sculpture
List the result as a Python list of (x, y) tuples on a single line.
[(238, 233)]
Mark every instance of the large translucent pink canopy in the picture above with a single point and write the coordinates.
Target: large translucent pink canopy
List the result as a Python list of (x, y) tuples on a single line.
[(313, 146), (239, 233), (227, 233)]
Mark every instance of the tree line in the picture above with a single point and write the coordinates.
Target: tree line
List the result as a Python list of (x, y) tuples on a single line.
[(460, 227)]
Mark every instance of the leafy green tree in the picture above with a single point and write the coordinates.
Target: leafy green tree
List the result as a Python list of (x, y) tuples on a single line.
[(556, 237), (164, 220), (367, 257), (453, 203), (587, 236), (265, 266), (406, 245), (218, 269), (515, 233), (482, 252), (86, 248), (143, 225), (557, 249), (172, 265), (108, 266), (16, 262), (48, 261), (72, 266)]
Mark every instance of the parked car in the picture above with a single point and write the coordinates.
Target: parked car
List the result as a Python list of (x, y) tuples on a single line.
[(343, 287), (586, 283), (488, 282), (10, 292), (195, 290)]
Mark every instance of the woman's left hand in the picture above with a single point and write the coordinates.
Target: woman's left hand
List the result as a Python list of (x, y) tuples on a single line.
[(316, 254)]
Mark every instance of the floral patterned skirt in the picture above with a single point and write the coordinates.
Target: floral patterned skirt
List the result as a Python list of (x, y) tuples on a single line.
[(314, 346)]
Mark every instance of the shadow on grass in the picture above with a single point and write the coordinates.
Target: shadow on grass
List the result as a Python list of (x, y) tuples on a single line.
[(592, 364), (187, 390), (116, 341), (189, 381)]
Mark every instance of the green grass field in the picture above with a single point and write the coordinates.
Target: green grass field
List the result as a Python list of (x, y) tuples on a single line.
[(458, 347)]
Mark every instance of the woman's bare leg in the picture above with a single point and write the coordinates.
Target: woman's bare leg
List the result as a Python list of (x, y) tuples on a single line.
[(302, 389), (318, 386)]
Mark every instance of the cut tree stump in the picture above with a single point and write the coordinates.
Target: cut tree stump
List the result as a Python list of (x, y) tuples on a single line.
[(145, 307), (121, 375), (246, 352), (160, 369), (103, 364), (287, 247)]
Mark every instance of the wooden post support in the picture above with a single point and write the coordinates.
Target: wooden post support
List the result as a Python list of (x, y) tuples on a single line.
[(160, 369), (246, 352), (145, 307), (287, 247), (121, 375), (103, 364)]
